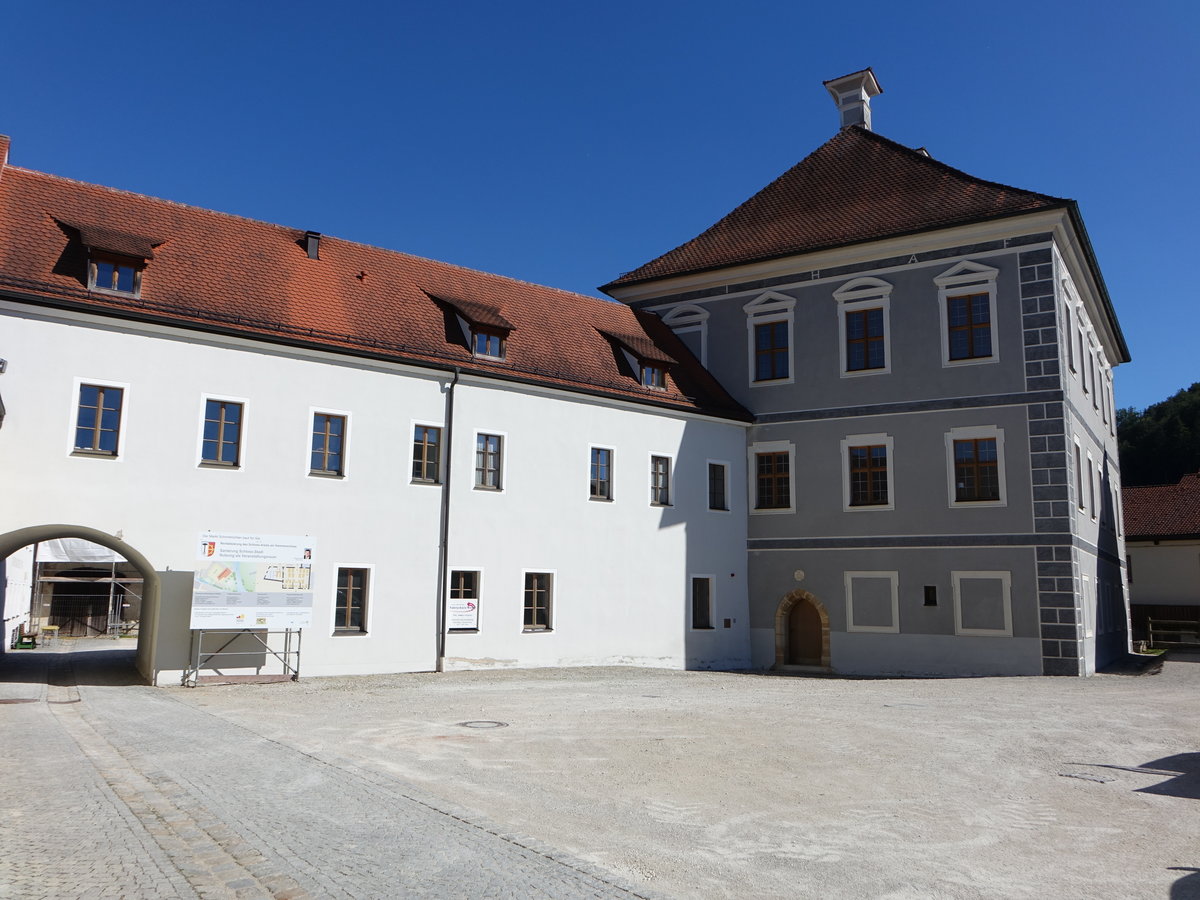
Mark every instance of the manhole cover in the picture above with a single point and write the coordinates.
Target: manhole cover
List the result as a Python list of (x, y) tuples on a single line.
[(483, 723)]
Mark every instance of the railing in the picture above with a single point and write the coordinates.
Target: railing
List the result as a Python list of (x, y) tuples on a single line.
[(1166, 633)]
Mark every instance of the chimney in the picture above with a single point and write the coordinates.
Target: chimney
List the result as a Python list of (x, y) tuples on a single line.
[(312, 244), (852, 93)]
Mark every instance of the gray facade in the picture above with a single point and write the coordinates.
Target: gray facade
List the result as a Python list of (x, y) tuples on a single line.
[(922, 578)]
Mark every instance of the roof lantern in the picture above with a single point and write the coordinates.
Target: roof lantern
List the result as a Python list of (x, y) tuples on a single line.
[(852, 93)]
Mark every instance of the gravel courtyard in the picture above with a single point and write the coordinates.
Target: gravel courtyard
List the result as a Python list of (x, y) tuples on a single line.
[(669, 784)]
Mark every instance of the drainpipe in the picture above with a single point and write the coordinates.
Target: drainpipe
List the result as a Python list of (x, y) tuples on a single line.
[(444, 542)]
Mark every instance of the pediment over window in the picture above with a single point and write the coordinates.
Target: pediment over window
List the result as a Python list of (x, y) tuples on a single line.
[(685, 315), (769, 302), (966, 272), (862, 289)]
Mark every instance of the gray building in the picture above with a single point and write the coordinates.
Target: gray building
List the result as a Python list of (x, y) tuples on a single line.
[(933, 476)]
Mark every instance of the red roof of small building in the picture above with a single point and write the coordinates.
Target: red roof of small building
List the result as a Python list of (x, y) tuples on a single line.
[(232, 275), (1163, 510), (857, 186)]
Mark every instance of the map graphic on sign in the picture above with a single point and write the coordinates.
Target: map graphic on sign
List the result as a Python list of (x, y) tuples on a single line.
[(252, 581)]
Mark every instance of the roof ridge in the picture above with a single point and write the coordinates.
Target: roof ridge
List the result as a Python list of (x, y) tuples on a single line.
[(275, 225)]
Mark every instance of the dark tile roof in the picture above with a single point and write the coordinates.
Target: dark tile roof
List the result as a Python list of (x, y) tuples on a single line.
[(99, 237), (223, 273), (1163, 510), (857, 186)]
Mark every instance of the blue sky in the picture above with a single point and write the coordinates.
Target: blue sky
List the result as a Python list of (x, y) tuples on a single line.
[(564, 143)]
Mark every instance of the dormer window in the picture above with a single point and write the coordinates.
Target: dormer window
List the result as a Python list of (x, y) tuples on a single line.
[(114, 274), (653, 376), (487, 342)]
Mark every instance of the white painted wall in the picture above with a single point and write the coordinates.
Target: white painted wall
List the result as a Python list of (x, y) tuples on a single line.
[(621, 568), (18, 578), (1167, 573)]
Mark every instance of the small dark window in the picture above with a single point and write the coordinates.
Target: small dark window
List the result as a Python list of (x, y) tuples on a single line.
[(660, 481), (222, 441), (487, 342), (601, 475), (537, 600), (98, 419), (868, 475), (1070, 339), (976, 471), (702, 603), (487, 461), (931, 595), (969, 322), (770, 351), (864, 340), (328, 444), (427, 448), (772, 480), (111, 273), (653, 376), (351, 609), (716, 487)]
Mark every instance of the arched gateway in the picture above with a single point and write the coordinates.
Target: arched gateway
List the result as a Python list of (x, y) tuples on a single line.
[(801, 631), (12, 541)]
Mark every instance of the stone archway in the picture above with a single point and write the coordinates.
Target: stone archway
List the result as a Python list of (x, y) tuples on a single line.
[(797, 639), (12, 541)]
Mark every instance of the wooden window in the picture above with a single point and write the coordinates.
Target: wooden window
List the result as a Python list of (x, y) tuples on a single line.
[(653, 376), (969, 322), (115, 274), (350, 613), (538, 588), (98, 419), (868, 475), (660, 481), (864, 340), (773, 480), (600, 487), (702, 612), (487, 461), (976, 470), (427, 454), (770, 351), (328, 444), (222, 440), (717, 495), (487, 342)]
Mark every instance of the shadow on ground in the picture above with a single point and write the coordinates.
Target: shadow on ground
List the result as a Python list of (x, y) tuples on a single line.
[(111, 668)]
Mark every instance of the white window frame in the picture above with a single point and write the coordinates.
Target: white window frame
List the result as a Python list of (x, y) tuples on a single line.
[(967, 278), (967, 433), (712, 602), (864, 440), (612, 469), (413, 425), (370, 612), (313, 412), (752, 476), (1005, 578), (894, 579), (689, 319), (728, 488), (855, 296), (1080, 501), (767, 309), (478, 570), (201, 462), (504, 449), (73, 418), (552, 612), (671, 496)]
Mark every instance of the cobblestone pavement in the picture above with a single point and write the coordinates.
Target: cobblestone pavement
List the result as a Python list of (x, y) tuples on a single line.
[(113, 789)]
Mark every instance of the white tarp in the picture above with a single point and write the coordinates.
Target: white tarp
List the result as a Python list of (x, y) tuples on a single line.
[(75, 550)]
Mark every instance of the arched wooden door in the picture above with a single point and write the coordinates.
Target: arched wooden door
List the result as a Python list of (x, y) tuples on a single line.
[(801, 631)]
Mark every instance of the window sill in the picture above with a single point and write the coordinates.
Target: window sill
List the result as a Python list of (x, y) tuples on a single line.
[(213, 464), (720, 509), (975, 504), (99, 290), (766, 382), (462, 631), (318, 474), (537, 630), (349, 632), (601, 499), (426, 481), (704, 628), (969, 361), (856, 373), (870, 507), (661, 505), (93, 454), (488, 487)]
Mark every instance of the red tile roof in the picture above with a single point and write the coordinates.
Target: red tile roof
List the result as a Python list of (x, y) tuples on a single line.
[(1163, 510), (223, 273), (857, 186)]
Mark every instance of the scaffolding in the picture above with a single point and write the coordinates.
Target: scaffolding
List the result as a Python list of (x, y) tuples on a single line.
[(251, 650)]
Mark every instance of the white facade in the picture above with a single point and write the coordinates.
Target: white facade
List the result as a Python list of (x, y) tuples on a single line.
[(621, 570)]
